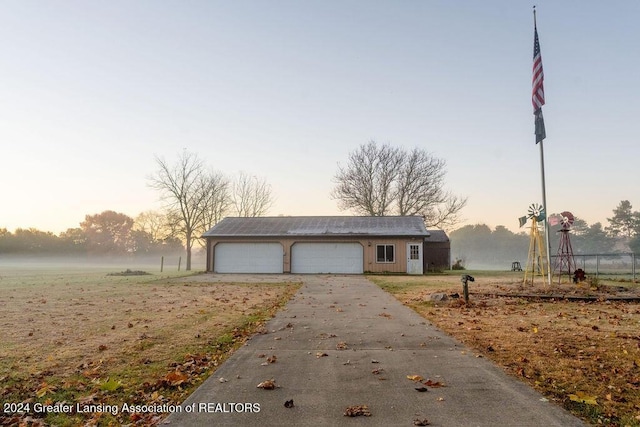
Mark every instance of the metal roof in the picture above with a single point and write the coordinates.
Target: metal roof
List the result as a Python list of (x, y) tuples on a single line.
[(283, 226), (437, 236)]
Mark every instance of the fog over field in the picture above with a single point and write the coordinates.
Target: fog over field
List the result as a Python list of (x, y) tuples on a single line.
[(75, 263)]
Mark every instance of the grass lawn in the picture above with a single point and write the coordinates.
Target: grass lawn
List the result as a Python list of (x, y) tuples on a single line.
[(583, 354), (83, 336)]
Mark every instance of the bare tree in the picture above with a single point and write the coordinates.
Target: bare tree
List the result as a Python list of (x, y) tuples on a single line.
[(365, 184), (383, 180), (216, 199), (154, 223), (181, 189), (251, 196)]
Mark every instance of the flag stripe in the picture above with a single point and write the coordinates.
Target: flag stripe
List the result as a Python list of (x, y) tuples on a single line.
[(537, 97)]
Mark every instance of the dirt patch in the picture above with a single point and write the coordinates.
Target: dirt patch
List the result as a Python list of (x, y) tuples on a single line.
[(583, 354)]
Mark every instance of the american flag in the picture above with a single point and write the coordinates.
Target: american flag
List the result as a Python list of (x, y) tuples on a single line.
[(538, 75), (537, 96)]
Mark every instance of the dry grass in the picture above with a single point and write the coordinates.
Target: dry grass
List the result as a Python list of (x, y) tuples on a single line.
[(583, 354), (86, 336)]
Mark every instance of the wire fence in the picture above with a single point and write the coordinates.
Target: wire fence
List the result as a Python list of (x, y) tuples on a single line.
[(618, 265)]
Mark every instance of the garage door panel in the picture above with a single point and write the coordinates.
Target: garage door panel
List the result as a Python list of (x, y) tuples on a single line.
[(343, 258), (248, 258)]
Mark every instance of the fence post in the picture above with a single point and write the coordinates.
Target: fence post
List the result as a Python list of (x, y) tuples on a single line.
[(179, 262), (161, 263), (597, 265), (633, 263)]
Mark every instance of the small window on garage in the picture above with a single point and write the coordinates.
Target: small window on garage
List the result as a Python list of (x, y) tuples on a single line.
[(385, 253)]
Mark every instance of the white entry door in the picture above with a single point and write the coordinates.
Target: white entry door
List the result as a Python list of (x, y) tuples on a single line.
[(414, 258)]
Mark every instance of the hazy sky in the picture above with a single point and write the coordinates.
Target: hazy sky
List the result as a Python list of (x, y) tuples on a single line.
[(91, 91)]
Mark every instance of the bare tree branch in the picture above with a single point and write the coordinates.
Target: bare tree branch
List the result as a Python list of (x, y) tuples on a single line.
[(251, 196), (365, 184), (216, 199), (383, 180), (181, 188)]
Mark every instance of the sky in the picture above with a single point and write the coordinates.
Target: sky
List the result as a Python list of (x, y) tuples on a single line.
[(91, 92)]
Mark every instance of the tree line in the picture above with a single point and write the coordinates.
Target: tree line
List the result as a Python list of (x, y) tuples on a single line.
[(107, 233), (479, 246), (195, 198)]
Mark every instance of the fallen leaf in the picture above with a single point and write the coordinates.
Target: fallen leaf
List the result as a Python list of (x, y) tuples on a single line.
[(423, 422), (341, 346), (321, 354), (582, 397), (422, 389), (267, 385), (44, 389), (176, 378), (433, 384), (110, 385), (288, 404), (414, 377), (356, 411)]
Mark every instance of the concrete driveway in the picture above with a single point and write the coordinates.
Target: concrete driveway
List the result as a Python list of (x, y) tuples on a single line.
[(342, 342)]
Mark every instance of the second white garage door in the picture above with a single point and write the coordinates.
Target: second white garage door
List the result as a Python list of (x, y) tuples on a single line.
[(344, 258), (248, 258)]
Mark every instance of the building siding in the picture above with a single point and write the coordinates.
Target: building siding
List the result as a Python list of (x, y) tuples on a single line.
[(399, 265)]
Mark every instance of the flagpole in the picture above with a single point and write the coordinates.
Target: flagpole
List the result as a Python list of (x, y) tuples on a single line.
[(544, 189), (546, 220)]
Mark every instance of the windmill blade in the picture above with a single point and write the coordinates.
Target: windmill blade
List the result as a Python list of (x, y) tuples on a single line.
[(534, 210), (567, 219)]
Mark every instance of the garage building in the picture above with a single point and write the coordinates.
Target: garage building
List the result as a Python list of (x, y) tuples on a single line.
[(317, 244)]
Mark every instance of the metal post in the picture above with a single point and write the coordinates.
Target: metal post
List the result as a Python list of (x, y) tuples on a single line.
[(465, 286), (179, 262), (161, 263), (633, 265), (597, 265)]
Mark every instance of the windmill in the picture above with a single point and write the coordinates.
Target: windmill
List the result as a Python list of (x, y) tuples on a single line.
[(565, 262), (536, 259)]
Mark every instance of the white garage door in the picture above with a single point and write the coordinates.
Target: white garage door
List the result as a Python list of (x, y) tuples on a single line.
[(248, 258), (327, 258)]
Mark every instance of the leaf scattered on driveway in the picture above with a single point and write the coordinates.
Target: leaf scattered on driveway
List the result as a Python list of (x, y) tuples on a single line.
[(433, 384), (267, 384), (357, 410)]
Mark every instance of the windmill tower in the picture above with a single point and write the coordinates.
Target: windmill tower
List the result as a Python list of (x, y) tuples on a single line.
[(565, 262), (537, 256)]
